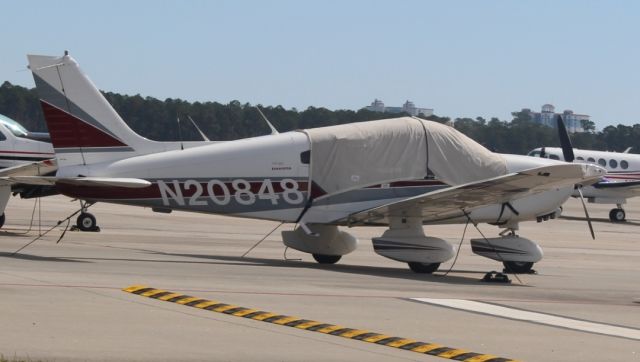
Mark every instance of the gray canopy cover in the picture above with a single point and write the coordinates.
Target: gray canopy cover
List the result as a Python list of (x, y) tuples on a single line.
[(362, 154)]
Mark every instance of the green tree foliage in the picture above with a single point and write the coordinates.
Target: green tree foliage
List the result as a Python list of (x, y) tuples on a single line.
[(157, 120), (22, 104), (588, 126)]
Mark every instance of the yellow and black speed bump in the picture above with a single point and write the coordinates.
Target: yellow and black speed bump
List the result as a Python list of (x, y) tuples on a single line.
[(309, 325)]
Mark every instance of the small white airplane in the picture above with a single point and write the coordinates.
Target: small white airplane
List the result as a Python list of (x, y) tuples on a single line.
[(19, 146), (369, 173), (22, 153), (623, 173), (26, 153)]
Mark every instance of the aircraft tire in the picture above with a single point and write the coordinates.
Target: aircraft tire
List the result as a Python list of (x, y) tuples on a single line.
[(423, 268), (617, 215), (517, 267), (2, 219), (86, 222), (326, 259)]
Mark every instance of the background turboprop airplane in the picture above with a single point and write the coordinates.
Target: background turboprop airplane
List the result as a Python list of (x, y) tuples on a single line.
[(369, 173), (621, 182)]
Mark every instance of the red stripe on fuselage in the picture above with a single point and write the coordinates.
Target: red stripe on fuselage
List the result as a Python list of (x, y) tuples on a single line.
[(153, 191), (67, 130)]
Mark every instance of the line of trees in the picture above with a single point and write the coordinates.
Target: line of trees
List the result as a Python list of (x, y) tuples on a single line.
[(157, 119)]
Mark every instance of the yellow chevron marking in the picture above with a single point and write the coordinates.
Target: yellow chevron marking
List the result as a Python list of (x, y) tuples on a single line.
[(400, 343), (264, 316), (308, 324), (205, 304), (152, 292), (225, 307), (329, 329), (242, 313), (427, 348), (375, 339), (452, 353), (133, 288), (187, 300), (283, 320), (169, 296), (482, 358), (353, 333)]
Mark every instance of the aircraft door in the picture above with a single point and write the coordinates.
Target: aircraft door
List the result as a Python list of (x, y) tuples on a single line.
[(303, 169)]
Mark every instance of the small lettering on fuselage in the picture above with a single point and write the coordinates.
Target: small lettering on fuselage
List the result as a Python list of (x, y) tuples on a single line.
[(223, 193)]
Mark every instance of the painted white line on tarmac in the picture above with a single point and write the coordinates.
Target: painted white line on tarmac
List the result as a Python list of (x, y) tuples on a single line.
[(535, 317)]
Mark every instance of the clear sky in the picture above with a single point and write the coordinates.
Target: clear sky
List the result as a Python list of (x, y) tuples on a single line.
[(462, 58)]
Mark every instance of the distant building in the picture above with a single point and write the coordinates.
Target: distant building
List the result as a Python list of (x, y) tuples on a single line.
[(408, 107), (548, 117)]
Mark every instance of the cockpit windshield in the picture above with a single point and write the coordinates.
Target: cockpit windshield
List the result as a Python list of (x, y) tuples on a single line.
[(534, 153), (13, 126)]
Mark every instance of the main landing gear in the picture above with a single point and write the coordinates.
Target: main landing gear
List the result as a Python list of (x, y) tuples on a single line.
[(617, 215), (516, 253), (86, 221), (423, 268), (326, 259), (519, 267)]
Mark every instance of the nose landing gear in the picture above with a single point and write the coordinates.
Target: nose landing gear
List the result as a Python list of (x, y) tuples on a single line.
[(86, 221), (617, 215)]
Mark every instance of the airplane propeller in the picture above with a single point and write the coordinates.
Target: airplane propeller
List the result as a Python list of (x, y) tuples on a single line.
[(567, 153), (586, 213), (565, 141)]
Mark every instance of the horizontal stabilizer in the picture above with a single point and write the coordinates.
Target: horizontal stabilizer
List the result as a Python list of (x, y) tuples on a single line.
[(80, 181), (39, 168)]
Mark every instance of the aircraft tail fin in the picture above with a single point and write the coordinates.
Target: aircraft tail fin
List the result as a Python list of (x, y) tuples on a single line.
[(84, 127)]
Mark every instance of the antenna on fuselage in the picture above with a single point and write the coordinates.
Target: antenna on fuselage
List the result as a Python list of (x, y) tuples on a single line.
[(180, 134), (204, 136), (273, 129)]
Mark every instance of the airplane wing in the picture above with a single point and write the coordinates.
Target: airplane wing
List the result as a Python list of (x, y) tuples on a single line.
[(625, 186), (79, 181), (31, 169), (458, 200)]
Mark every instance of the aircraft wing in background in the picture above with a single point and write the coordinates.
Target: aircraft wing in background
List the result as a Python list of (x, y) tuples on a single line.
[(632, 187)]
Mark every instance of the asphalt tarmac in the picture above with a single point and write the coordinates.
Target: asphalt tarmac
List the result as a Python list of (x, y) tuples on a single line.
[(64, 301)]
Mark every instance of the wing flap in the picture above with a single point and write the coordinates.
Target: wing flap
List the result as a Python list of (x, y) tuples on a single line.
[(39, 168), (457, 200)]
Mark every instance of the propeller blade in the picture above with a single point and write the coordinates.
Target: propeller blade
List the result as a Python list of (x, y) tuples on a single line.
[(586, 213), (565, 141)]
